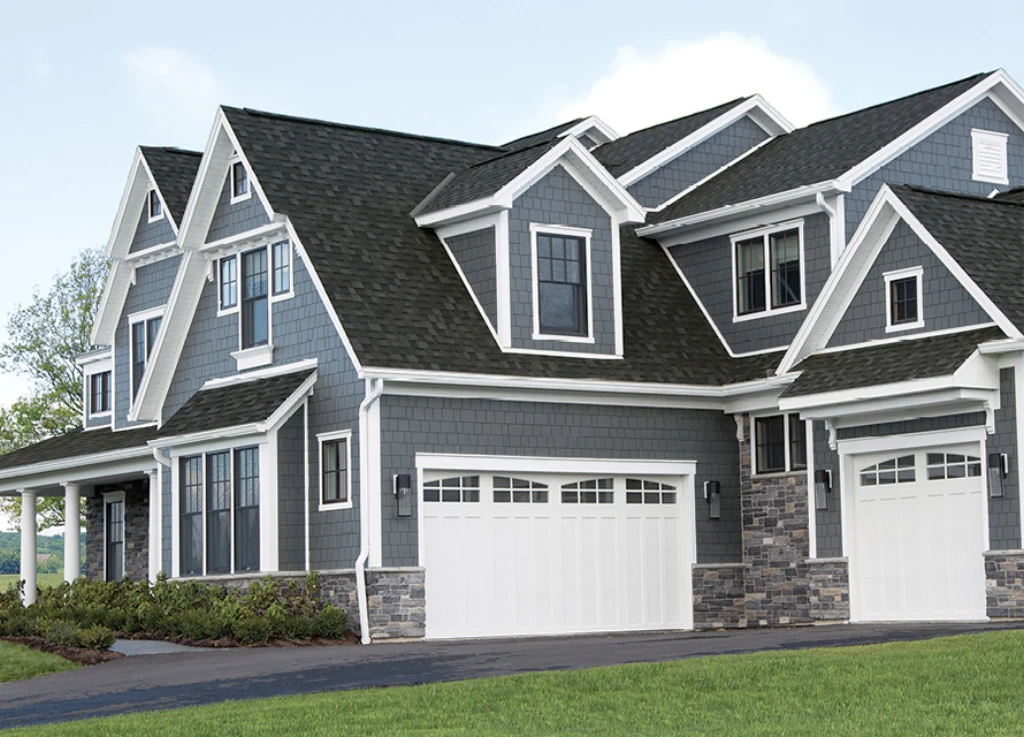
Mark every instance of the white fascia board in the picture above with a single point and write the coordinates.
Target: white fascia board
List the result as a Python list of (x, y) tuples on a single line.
[(250, 376), (998, 347), (128, 197), (751, 221), (469, 210), (263, 234), (74, 468), (541, 464), (94, 356), (592, 122), (153, 254), (774, 123), (723, 121), (778, 199)]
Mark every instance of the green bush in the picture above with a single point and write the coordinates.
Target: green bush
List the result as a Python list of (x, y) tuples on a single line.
[(250, 629), (61, 632), (96, 638), (330, 623)]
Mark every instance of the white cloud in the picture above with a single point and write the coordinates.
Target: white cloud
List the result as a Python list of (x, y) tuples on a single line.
[(640, 90), (175, 87)]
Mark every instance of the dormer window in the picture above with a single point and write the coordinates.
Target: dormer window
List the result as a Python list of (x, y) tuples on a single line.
[(904, 299), (255, 319), (768, 271), (561, 283), (155, 206), (239, 182), (143, 332), (989, 157), (99, 393)]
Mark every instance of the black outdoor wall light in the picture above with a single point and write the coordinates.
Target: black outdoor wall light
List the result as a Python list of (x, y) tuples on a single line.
[(403, 493), (822, 487), (713, 496), (998, 468)]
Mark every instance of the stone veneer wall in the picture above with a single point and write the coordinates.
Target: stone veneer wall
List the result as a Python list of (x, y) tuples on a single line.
[(718, 596), (136, 531), (396, 597), (1004, 584)]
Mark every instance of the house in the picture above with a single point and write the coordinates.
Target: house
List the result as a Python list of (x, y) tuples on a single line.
[(719, 372)]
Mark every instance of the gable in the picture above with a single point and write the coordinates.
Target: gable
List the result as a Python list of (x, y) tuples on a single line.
[(233, 219), (697, 163), (148, 235), (943, 161), (944, 302)]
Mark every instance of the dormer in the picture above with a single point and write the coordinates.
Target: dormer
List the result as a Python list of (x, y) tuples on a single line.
[(535, 236), (97, 387)]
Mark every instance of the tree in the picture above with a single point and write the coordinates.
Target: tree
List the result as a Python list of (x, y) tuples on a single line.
[(43, 339)]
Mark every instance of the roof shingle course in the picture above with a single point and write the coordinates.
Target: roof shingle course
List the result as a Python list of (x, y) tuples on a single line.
[(175, 172)]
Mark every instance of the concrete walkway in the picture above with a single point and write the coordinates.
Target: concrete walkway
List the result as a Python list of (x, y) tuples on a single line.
[(206, 677), (154, 647)]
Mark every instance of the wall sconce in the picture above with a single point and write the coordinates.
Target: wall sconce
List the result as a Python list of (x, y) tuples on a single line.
[(713, 496), (403, 493), (998, 468), (822, 487)]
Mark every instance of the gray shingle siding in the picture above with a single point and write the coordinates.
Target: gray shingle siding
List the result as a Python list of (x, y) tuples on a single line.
[(151, 289), (149, 234), (828, 522), (291, 509), (944, 301), (238, 218), (96, 421), (557, 199), (943, 161), (411, 425), (708, 267), (1004, 514), (695, 164), (302, 329), (477, 258), (904, 427)]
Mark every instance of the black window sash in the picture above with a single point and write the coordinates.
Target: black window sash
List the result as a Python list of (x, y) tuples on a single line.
[(255, 317), (282, 263), (750, 271), (559, 272), (218, 512), (247, 509), (770, 450), (335, 471), (228, 282), (115, 540), (903, 300), (797, 443), (191, 515), (99, 393), (138, 354), (784, 252)]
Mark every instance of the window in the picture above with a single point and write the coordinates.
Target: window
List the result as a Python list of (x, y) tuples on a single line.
[(780, 444), (239, 182), (113, 533), (218, 512), (99, 393), (519, 491), (988, 156), (247, 509), (191, 513), (591, 491), (334, 469), (143, 336), (903, 288), (952, 466), (642, 491), (456, 489), (282, 262), (561, 291), (155, 206), (893, 471), (228, 282), (769, 275), (255, 320)]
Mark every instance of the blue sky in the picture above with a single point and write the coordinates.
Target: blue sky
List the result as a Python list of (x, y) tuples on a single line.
[(84, 83)]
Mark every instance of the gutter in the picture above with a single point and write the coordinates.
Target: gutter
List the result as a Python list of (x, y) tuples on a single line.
[(374, 390)]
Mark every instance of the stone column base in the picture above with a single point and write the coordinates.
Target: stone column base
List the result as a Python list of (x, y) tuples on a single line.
[(1004, 584), (718, 598)]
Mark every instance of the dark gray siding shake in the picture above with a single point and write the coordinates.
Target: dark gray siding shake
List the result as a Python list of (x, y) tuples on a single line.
[(149, 234), (291, 509), (411, 425), (944, 301), (695, 164), (828, 522), (152, 287), (1004, 514), (96, 421), (558, 199), (302, 329), (943, 161), (477, 258), (905, 427), (238, 218), (708, 267)]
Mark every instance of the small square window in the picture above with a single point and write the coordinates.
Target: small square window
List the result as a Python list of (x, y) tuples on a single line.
[(780, 444), (156, 207), (768, 271), (99, 393), (239, 181), (903, 290), (334, 466)]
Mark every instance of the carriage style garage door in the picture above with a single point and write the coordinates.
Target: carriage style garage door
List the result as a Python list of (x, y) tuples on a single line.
[(919, 534), (533, 553)]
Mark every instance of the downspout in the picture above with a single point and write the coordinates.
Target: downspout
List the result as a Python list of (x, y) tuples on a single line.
[(373, 393)]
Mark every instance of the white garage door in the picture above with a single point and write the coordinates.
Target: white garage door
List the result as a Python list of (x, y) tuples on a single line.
[(527, 554), (919, 535)]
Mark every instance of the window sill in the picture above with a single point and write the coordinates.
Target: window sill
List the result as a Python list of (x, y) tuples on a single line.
[(778, 474), (261, 355), (334, 506), (235, 199), (565, 338), (904, 326), (763, 314)]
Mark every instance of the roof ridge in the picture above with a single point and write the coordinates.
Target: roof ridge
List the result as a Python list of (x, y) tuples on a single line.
[(730, 104), (551, 143), (980, 75), (959, 195), (359, 128), (172, 150), (565, 124)]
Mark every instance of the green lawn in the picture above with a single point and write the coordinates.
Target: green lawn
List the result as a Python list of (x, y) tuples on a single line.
[(967, 685), (18, 662), (45, 580)]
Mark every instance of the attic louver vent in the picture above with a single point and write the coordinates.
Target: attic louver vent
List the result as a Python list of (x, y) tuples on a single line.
[(989, 156)]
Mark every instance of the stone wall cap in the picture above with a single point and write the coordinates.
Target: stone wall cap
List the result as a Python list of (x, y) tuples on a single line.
[(995, 553), (705, 566), (812, 561)]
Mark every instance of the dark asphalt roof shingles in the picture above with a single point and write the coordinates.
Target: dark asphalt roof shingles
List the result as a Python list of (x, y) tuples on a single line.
[(175, 172), (78, 442)]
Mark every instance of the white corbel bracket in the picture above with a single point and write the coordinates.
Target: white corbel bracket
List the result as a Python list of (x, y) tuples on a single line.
[(833, 442)]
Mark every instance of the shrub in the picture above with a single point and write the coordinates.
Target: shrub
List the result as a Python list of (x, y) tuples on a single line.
[(330, 623), (96, 638), (250, 629), (61, 632)]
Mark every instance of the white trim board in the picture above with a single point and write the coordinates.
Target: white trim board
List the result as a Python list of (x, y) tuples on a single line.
[(548, 464)]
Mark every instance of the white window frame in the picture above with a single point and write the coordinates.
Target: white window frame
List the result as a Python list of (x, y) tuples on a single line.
[(587, 235), (235, 199), (980, 138), (88, 394), (917, 273), (764, 234), (134, 319), (789, 470), (115, 496), (327, 437), (222, 311), (154, 196)]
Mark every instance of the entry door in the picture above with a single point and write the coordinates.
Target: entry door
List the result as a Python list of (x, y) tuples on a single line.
[(114, 536), (919, 535), (528, 554)]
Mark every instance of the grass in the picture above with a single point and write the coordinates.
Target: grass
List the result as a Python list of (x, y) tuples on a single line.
[(18, 662), (966, 685), (44, 580)]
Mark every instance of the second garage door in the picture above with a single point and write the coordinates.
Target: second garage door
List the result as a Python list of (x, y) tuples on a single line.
[(528, 554)]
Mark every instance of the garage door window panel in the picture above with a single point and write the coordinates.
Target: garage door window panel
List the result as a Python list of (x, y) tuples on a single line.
[(644, 491), (942, 466), (591, 491), (456, 489), (519, 491), (892, 471)]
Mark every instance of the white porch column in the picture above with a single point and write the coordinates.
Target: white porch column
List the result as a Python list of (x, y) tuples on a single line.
[(72, 532), (28, 545), (154, 524)]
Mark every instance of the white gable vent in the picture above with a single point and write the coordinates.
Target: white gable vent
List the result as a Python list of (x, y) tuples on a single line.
[(989, 156)]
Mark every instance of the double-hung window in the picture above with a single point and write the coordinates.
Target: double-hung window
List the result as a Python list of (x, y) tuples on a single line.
[(191, 513), (247, 509), (903, 290), (255, 308), (335, 465), (768, 270), (218, 512), (250, 281), (143, 336), (780, 444), (99, 393), (562, 282)]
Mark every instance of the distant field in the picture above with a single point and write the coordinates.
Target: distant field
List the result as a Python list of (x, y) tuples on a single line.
[(46, 580)]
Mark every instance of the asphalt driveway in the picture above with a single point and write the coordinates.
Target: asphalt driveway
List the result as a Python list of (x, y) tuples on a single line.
[(148, 682)]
